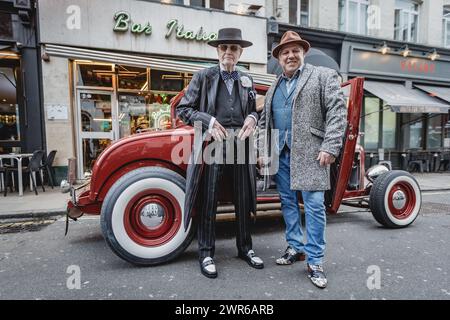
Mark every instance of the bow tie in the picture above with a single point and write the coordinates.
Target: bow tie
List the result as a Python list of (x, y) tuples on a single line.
[(234, 75)]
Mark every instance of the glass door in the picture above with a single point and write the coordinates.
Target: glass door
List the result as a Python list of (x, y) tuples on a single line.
[(96, 115)]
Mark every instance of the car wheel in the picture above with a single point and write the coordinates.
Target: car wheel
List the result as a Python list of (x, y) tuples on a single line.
[(142, 216), (395, 199)]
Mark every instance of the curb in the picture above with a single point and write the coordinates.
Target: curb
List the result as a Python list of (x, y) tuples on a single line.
[(33, 215)]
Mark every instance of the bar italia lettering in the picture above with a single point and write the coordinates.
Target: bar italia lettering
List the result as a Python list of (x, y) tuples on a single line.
[(173, 25), (124, 24)]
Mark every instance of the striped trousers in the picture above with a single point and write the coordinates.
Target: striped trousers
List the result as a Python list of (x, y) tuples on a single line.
[(209, 190)]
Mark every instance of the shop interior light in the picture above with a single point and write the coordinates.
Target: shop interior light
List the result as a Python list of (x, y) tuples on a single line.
[(433, 55), (100, 119), (145, 86), (405, 51), (172, 77), (384, 48), (8, 55)]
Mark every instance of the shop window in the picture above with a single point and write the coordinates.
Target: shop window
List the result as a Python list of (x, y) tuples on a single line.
[(406, 20), (134, 114), (95, 75), (173, 1), (353, 16), (299, 12), (389, 128), (132, 78), (413, 124), (6, 29), (166, 80), (446, 122), (217, 4), (434, 133), (446, 27), (9, 109), (197, 3), (91, 150), (371, 122)]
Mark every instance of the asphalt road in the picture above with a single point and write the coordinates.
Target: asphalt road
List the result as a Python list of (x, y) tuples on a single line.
[(413, 263)]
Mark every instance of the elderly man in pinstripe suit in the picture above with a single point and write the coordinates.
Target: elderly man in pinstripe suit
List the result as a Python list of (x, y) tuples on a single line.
[(222, 99)]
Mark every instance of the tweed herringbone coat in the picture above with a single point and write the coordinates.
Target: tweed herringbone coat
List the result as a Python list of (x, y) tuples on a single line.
[(319, 119)]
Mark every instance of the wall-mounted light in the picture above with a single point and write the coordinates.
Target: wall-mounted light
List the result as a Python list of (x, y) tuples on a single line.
[(384, 48), (405, 51), (433, 55)]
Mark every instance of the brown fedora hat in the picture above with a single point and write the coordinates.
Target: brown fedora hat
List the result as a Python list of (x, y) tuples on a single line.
[(230, 36), (290, 37)]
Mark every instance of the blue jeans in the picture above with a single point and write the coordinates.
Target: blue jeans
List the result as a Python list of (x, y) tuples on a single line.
[(315, 216)]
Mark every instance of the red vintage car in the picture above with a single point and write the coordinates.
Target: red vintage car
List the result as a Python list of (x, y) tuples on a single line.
[(139, 192)]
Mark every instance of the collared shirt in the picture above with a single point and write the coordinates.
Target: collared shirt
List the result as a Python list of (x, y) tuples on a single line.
[(230, 82), (290, 81)]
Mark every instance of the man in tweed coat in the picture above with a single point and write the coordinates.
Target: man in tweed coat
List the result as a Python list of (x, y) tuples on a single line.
[(307, 107), (222, 100)]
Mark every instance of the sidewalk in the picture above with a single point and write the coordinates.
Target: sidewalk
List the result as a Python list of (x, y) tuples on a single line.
[(433, 181), (46, 204), (53, 202)]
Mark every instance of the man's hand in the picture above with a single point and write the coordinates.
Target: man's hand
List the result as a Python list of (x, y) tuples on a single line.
[(325, 158), (218, 131), (247, 129)]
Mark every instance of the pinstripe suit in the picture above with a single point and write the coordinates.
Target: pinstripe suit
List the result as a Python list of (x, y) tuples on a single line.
[(203, 180)]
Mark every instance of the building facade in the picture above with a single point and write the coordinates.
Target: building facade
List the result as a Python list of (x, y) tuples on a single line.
[(401, 48), (110, 68), (21, 121)]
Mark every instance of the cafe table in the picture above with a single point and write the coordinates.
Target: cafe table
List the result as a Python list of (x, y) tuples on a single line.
[(18, 157)]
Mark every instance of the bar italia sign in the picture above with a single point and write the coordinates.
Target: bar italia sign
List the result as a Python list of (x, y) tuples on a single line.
[(123, 23)]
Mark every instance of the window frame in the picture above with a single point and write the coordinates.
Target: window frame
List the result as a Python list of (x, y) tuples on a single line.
[(446, 26), (347, 15), (207, 4), (410, 13), (299, 12)]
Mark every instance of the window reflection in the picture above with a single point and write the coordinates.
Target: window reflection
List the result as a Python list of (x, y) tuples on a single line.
[(371, 122), (91, 150), (434, 136), (95, 112)]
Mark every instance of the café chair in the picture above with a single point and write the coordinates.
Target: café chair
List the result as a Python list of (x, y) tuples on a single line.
[(32, 168), (47, 164)]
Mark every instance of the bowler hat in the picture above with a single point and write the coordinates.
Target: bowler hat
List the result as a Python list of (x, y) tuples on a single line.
[(290, 37), (230, 36)]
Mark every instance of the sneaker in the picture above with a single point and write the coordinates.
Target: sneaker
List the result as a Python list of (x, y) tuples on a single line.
[(317, 276), (290, 256)]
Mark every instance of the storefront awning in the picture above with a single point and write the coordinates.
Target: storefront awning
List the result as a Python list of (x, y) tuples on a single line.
[(404, 100), (141, 61), (434, 91)]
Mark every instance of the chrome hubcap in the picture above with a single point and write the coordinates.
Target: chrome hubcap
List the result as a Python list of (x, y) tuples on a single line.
[(152, 215), (399, 199)]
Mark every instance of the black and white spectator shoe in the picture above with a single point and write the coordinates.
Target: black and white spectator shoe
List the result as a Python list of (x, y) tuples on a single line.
[(253, 260), (208, 268)]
